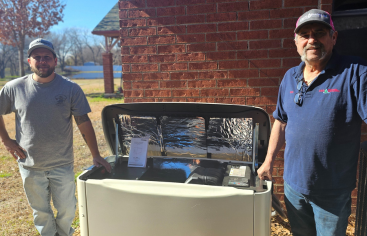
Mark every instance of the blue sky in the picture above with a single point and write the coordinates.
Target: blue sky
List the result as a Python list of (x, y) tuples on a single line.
[(84, 13)]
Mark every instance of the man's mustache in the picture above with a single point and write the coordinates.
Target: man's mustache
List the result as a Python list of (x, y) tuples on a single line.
[(313, 46)]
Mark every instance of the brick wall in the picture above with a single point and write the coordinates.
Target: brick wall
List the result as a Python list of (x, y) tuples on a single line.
[(220, 51)]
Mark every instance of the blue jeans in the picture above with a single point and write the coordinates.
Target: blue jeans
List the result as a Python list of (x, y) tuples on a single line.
[(321, 215), (58, 184)]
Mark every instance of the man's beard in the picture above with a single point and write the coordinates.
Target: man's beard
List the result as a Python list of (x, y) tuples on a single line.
[(316, 45), (45, 74)]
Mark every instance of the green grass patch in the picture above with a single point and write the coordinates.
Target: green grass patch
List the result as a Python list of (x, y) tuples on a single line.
[(101, 98), (5, 157), (5, 175), (77, 174), (75, 223)]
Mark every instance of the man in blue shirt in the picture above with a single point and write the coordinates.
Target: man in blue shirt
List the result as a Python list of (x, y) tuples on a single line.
[(320, 108)]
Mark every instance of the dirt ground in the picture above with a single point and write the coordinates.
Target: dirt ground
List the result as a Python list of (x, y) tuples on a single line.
[(15, 213)]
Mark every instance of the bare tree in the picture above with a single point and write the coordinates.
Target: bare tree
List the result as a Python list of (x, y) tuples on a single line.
[(6, 52), (62, 46), (21, 18)]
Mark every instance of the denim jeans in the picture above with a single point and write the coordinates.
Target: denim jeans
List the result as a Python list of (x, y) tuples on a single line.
[(58, 184), (321, 215)]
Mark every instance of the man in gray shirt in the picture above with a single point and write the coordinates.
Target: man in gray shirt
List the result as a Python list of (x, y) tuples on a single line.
[(43, 103)]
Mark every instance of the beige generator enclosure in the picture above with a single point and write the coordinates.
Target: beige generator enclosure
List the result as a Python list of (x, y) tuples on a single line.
[(179, 169)]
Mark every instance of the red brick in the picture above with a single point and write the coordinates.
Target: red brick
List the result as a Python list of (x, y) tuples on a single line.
[(300, 3), (213, 75), (133, 93), (202, 84), (238, 64), (263, 82), (364, 128), (270, 109), (189, 2), (232, 83), (143, 31), (191, 57), (173, 84), (144, 67), (161, 39), (289, 43), (190, 19), (202, 28), (156, 76), (220, 17), (161, 58), (134, 59), (265, 4), (127, 85), (146, 100), (133, 41), (132, 23), (292, 52), (128, 100), (220, 37), (200, 47), (264, 44), (123, 14), (261, 101), (145, 85), (214, 92), (132, 77), (291, 62), (254, 15), (160, 3), (281, 33), (172, 100), (171, 11), (173, 66), (265, 63), (326, 2), (191, 38), (125, 50), (132, 4), (172, 30), (241, 100), (233, 46), (142, 13), (143, 50), (252, 54), (233, 6), (158, 93), (273, 72), (233, 26), (185, 93), (290, 23), (280, 171), (184, 75), (125, 68), (161, 21), (269, 91), (243, 73), (207, 100), (202, 66), (171, 49), (210, 56), (265, 24), (261, 34), (245, 92), (354, 192), (327, 7), (285, 13), (220, 1), (124, 32), (199, 9)]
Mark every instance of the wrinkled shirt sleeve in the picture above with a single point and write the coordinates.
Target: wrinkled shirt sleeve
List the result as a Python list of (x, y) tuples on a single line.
[(5, 101), (280, 113), (360, 92)]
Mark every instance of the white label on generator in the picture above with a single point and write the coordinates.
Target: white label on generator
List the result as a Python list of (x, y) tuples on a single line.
[(239, 171)]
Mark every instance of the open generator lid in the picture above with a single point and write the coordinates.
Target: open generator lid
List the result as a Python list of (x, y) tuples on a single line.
[(198, 130)]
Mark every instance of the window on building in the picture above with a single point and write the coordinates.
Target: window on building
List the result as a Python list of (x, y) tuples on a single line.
[(350, 7)]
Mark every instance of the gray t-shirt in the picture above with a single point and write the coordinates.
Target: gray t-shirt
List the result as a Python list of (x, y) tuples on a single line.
[(43, 115)]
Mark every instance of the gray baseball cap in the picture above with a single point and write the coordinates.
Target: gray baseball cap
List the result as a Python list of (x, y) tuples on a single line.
[(314, 16), (40, 43)]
